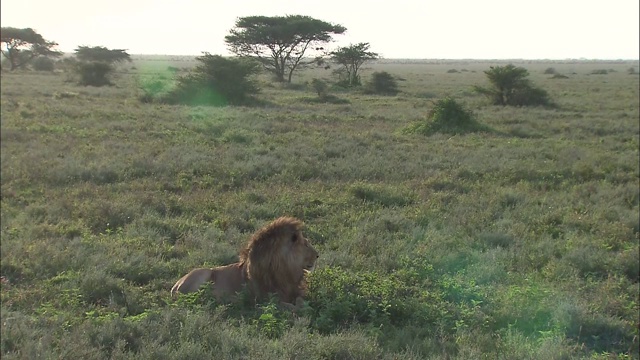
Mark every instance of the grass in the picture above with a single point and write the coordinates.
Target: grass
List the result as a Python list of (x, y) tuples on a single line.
[(519, 242)]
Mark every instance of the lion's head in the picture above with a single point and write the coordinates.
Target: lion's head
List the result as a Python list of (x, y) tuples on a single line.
[(277, 258)]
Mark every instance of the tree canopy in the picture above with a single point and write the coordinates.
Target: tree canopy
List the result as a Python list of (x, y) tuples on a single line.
[(101, 54), (280, 43), (22, 45), (351, 58)]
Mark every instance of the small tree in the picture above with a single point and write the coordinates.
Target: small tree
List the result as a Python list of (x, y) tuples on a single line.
[(280, 43), (382, 83), (216, 81), (351, 58), (23, 45), (101, 54), (511, 87)]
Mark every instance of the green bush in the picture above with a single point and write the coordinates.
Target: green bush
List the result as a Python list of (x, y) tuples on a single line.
[(338, 298), (155, 88), (382, 83), (511, 87), (449, 117), (320, 87), (94, 73), (216, 81), (43, 63)]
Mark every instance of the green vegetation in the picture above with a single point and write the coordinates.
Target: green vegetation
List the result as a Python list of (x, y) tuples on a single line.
[(351, 58), (449, 117), (511, 87), (94, 73), (382, 83), (216, 81), (101, 54), (21, 46), (282, 44), (517, 243)]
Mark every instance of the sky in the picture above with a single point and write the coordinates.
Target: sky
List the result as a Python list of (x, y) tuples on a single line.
[(398, 29)]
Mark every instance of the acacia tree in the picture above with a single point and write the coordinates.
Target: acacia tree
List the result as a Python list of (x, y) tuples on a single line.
[(23, 45), (511, 87), (280, 43), (102, 54), (351, 58)]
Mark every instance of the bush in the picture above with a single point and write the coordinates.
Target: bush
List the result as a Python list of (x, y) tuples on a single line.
[(94, 73), (511, 87), (320, 87), (550, 71), (42, 63), (216, 81), (447, 116), (158, 87), (600, 72), (382, 83), (338, 297)]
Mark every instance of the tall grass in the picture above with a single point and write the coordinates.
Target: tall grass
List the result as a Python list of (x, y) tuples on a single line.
[(519, 242)]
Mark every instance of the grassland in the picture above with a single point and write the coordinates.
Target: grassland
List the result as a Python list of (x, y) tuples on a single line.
[(519, 242)]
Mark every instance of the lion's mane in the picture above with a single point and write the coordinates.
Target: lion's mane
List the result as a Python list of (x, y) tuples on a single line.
[(276, 259)]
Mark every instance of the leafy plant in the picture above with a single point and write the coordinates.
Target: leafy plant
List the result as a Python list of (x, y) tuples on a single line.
[(280, 43), (320, 87), (216, 81), (511, 87), (382, 83), (351, 58), (449, 117), (101, 54)]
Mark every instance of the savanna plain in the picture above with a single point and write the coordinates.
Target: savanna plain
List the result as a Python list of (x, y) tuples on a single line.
[(519, 241)]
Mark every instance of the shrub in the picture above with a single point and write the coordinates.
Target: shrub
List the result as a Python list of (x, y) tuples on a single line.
[(511, 87), (600, 72), (452, 71), (155, 88), (550, 71), (631, 70), (382, 83), (94, 73), (338, 298), (43, 63), (447, 116), (216, 81), (320, 87)]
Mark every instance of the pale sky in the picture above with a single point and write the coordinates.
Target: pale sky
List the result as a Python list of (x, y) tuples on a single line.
[(428, 29)]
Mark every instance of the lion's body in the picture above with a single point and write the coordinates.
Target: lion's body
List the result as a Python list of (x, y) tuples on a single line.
[(274, 261), (227, 279)]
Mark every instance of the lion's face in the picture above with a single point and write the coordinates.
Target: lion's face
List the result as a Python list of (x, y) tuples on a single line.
[(302, 254)]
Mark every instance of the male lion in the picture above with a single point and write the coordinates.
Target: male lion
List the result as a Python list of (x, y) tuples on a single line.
[(275, 261)]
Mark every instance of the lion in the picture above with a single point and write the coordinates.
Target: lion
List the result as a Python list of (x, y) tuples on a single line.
[(274, 261)]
